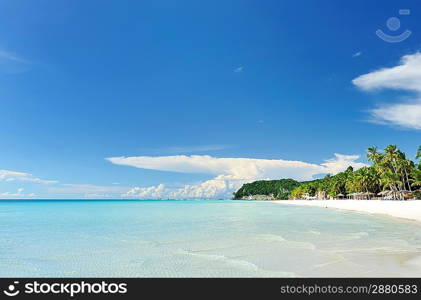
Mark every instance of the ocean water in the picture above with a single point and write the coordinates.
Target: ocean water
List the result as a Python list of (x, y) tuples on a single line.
[(201, 239)]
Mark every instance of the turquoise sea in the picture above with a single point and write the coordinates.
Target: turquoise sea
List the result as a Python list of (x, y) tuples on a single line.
[(200, 239)]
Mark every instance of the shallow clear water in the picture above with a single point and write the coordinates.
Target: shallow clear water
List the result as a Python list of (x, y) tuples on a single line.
[(201, 239)]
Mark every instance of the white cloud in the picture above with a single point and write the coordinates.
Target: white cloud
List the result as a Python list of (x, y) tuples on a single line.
[(340, 163), (356, 54), (18, 194), (7, 175), (152, 192), (11, 63), (230, 173), (239, 69), (221, 186), (406, 115), (6, 55), (407, 77)]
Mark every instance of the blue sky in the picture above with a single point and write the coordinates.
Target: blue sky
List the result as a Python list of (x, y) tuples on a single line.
[(151, 83)]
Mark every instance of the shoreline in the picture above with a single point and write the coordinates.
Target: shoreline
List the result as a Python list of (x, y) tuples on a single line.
[(409, 210)]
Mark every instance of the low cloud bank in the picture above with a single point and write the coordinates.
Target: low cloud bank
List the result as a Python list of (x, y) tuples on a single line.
[(230, 173)]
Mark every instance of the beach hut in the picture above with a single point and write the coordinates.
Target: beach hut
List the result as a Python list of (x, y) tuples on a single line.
[(405, 195), (358, 196), (391, 195), (383, 194), (340, 196), (350, 196), (361, 196), (367, 195), (396, 195)]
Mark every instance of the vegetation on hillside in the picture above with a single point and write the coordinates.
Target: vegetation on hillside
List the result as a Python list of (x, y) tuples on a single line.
[(390, 171), (280, 189)]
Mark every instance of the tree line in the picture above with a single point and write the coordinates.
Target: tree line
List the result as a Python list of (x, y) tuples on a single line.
[(390, 172), (279, 189)]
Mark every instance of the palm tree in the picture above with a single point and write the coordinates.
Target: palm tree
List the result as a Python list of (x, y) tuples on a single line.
[(391, 153), (416, 174), (418, 155), (408, 165), (390, 170), (396, 161), (373, 155)]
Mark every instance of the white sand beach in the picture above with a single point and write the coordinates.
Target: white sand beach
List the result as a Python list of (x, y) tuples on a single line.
[(401, 209)]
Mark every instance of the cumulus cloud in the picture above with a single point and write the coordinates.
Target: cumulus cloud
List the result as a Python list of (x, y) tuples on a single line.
[(220, 187), (7, 175), (407, 77), (230, 173)]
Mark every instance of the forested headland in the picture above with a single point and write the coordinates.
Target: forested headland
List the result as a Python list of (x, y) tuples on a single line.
[(391, 175)]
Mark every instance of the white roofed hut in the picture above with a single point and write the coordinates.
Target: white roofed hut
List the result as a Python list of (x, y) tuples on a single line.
[(361, 196), (396, 195), (368, 195)]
